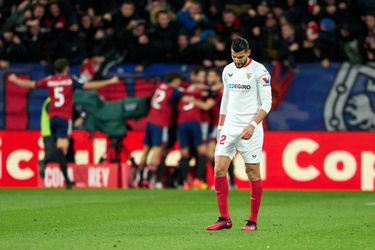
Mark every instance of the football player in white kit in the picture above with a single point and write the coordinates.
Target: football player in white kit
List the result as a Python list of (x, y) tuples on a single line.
[(245, 103)]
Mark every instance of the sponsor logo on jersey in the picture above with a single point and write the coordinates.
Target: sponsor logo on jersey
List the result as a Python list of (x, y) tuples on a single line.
[(239, 86), (266, 80), (230, 74)]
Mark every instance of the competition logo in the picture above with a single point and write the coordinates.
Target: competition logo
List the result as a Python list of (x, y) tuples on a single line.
[(351, 102)]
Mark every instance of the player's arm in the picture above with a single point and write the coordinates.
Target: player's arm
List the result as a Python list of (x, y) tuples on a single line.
[(223, 105), (224, 100), (24, 83), (264, 93), (100, 84), (204, 105)]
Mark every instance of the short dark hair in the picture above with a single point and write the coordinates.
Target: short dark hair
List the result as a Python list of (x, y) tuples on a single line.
[(196, 69), (240, 44), (60, 65), (173, 76)]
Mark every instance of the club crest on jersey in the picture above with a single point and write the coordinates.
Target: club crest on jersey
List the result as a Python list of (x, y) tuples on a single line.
[(249, 75), (266, 80)]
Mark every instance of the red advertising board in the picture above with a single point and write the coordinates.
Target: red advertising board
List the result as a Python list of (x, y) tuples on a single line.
[(85, 176), (291, 160)]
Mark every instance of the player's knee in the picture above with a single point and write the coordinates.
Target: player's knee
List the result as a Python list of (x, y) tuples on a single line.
[(184, 152), (252, 174), (63, 145), (219, 169)]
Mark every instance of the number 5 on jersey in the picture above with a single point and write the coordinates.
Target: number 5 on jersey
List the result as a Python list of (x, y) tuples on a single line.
[(59, 96)]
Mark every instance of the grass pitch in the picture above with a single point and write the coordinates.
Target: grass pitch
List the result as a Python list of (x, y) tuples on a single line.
[(173, 219)]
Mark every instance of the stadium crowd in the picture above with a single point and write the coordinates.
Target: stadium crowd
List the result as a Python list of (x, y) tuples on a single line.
[(191, 31)]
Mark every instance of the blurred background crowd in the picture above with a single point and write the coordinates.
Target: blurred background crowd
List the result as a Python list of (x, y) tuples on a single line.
[(191, 31)]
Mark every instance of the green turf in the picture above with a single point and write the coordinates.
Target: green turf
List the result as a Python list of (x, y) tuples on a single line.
[(173, 219)]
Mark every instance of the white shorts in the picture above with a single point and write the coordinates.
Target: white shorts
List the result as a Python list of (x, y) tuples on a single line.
[(230, 142)]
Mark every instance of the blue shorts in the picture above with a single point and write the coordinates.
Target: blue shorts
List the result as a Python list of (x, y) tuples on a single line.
[(60, 128), (189, 134), (155, 135)]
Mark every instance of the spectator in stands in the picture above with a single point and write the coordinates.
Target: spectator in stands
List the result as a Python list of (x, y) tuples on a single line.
[(185, 52), (35, 42), (87, 33), (327, 42), (138, 45), (270, 39), (164, 36), (350, 45), (216, 55), (369, 44), (230, 22), (290, 46), (11, 46), (191, 15), (154, 7)]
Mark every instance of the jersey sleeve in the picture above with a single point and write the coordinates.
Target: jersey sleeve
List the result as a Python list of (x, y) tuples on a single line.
[(42, 83), (77, 83), (177, 93), (264, 88), (224, 99)]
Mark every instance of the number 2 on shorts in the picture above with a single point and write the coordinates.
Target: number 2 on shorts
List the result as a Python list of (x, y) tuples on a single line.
[(222, 139)]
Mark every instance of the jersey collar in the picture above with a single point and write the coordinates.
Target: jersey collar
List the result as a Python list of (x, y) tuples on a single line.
[(248, 63)]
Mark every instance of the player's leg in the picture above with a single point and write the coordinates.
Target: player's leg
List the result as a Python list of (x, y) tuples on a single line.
[(49, 154), (251, 152), (183, 137), (61, 130), (199, 141), (253, 174), (160, 169), (225, 150), (150, 169), (160, 142), (147, 144), (141, 166), (222, 189)]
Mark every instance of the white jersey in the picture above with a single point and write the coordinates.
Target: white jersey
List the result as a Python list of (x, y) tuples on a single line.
[(246, 90)]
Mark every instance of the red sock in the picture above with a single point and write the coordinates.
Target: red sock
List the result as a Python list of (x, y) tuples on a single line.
[(255, 198), (222, 189)]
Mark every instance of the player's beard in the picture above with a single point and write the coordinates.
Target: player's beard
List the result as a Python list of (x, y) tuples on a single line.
[(240, 65)]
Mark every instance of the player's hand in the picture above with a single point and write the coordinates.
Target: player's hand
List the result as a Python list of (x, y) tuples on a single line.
[(114, 80), (12, 77), (187, 98), (248, 132)]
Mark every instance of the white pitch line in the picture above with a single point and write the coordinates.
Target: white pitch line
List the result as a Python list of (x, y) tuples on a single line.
[(370, 204)]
